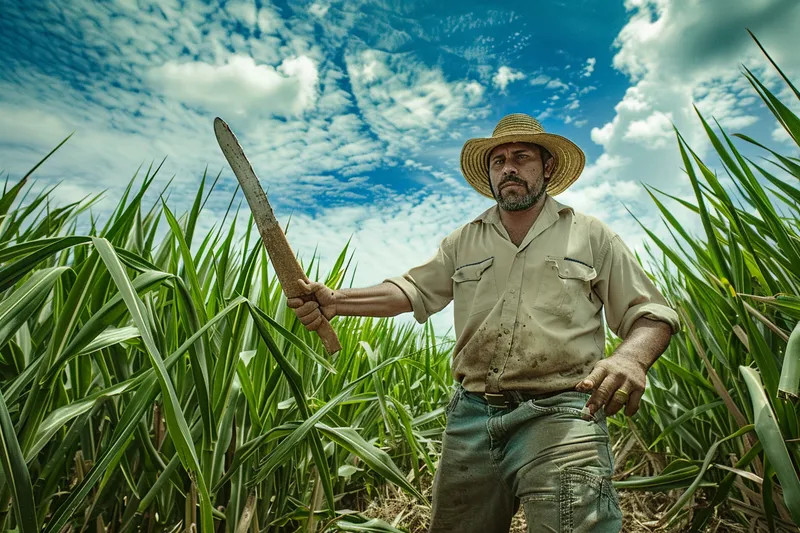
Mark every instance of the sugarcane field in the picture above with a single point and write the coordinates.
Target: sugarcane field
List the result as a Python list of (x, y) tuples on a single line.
[(400, 267)]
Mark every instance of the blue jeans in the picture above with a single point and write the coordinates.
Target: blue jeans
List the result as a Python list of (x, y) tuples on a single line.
[(542, 454)]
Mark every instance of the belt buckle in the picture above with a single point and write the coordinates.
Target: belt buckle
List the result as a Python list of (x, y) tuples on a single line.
[(493, 398)]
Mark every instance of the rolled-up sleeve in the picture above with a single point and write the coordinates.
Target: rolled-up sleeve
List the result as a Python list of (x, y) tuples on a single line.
[(627, 292), (429, 287)]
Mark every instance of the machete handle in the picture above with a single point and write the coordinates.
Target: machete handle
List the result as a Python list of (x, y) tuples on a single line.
[(329, 339)]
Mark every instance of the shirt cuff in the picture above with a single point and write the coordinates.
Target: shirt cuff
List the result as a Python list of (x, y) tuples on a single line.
[(651, 311), (413, 295)]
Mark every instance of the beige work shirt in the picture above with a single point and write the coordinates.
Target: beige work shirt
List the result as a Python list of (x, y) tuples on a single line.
[(529, 317)]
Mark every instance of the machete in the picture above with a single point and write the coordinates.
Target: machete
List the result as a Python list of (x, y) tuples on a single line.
[(280, 253)]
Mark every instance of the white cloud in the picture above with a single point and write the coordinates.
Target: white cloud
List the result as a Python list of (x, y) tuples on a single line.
[(506, 75), (547, 113), (245, 11), (652, 132), (540, 79), (588, 68), (679, 53), (673, 67), (779, 134), (241, 86), (557, 84), (406, 103), (318, 9)]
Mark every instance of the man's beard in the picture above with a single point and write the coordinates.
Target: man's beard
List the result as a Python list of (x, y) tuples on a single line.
[(520, 203)]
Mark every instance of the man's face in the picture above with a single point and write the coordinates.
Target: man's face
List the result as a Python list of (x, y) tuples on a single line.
[(518, 176)]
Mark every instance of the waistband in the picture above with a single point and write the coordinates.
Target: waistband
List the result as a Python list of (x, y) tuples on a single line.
[(512, 398)]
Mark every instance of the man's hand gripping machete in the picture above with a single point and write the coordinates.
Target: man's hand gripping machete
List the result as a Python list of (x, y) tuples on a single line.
[(283, 260)]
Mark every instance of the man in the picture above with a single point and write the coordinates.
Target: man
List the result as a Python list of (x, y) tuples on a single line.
[(529, 279)]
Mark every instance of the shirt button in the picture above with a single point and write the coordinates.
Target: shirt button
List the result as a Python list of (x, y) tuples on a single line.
[(494, 370), (505, 331), (512, 291)]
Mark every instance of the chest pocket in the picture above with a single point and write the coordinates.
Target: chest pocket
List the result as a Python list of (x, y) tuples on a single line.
[(474, 287), (565, 284)]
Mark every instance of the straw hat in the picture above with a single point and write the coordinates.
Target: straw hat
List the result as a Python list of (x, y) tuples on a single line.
[(569, 159)]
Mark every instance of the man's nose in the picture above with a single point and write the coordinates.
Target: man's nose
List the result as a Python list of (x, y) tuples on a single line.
[(508, 169)]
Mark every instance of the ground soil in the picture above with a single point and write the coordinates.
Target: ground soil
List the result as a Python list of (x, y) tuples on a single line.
[(641, 513)]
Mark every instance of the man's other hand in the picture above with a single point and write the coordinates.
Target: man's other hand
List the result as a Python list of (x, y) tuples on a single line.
[(617, 372)]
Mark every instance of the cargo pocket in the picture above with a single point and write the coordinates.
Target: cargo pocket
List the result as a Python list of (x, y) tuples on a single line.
[(588, 502), (565, 283), (474, 287)]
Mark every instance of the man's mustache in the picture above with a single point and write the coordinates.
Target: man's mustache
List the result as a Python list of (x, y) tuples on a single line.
[(512, 180)]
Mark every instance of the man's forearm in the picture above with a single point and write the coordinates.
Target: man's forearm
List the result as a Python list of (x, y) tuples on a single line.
[(646, 341), (381, 300)]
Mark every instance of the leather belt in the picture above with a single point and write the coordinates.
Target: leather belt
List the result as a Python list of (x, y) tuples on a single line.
[(512, 399)]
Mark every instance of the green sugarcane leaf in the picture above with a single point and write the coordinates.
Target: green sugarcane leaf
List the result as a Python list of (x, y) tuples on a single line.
[(16, 474), (788, 120), (373, 525), (670, 515), (8, 198), (773, 441), (110, 337), (10, 274), (24, 302), (176, 422), (688, 415), (790, 372), (56, 419), (101, 320), (295, 383), (299, 344), (285, 447)]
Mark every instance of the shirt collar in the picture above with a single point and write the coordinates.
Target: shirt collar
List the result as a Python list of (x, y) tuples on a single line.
[(552, 207)]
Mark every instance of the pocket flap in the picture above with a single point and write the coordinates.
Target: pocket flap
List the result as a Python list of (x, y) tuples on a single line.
[(572, 269), (472, 271)]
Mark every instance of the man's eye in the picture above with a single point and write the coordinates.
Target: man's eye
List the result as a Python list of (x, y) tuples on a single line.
[(497, 162), (523, 156)]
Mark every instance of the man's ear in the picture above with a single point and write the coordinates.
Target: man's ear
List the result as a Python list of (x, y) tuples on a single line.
[(548, 167)]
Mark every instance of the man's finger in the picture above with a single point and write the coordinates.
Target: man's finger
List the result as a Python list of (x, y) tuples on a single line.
[(316, 323), (615, 403), (593, 380), (294, 303), (305, 286), (633, 402), (310, 318), (306, 308), (602, 393)]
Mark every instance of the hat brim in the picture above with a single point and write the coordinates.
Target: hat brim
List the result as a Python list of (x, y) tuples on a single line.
[(569, 160)]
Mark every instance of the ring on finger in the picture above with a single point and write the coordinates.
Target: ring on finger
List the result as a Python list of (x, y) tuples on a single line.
[(621, 395)]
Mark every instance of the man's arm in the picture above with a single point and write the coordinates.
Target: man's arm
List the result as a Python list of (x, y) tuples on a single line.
[(637, 312), (646, 341), (384, 300), (425, 289)]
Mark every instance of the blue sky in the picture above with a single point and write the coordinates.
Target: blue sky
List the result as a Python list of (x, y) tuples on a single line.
[(354, 113)]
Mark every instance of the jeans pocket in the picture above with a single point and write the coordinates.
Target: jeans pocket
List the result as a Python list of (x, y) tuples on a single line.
[(588, 502), (571, 410), (453, 401)]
